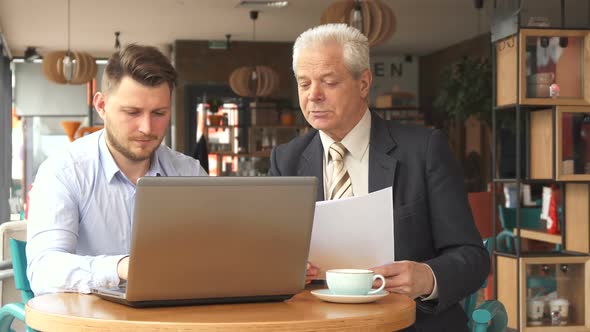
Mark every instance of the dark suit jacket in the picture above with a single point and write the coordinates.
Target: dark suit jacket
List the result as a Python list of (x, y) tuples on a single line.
[(432, 219)]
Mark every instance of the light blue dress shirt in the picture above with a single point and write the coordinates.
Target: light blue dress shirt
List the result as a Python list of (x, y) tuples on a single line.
[(80, 215)]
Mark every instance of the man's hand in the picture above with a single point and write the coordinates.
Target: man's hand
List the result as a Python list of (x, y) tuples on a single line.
[(123, 268), (406, 277), (311, 273)]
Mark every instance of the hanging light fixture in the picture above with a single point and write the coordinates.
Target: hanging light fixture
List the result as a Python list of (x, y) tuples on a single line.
[(356, 16), (254, 81), (372, 17), (117, 42), (67, 67)]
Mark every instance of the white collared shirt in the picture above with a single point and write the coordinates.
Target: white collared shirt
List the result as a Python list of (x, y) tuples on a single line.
[(357, 158), (81, 212)]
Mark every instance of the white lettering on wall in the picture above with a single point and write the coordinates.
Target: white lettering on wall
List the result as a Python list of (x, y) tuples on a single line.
[(393, 72)]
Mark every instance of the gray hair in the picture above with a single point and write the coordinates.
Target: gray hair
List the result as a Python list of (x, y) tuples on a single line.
[(354, 44)]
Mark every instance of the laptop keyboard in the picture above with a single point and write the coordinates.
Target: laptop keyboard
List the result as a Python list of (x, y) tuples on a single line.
[(120, 289)]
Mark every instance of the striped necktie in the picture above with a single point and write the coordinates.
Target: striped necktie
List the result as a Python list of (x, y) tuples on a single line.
[(340, 184)]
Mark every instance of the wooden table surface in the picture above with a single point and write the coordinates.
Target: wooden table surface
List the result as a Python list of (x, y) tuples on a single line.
[(304, 312)]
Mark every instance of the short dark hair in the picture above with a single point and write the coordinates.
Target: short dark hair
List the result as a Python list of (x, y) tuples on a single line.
[(144, 64)]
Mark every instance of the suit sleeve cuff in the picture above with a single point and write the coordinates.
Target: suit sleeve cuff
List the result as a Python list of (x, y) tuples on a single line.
[(434, 294)]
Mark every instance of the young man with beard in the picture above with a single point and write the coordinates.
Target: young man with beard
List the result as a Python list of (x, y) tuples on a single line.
[(79, 228)]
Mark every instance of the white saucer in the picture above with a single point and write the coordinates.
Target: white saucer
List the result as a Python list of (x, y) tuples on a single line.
[(326, 295)]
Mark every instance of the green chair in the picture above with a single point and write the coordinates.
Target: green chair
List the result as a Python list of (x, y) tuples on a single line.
[(506, 241), (11, 311), (529, 218), (491, 315)]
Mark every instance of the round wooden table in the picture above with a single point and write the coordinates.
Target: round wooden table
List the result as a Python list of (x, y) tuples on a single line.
[(304, 312)]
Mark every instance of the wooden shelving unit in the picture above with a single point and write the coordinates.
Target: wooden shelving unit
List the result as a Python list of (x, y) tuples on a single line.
[(513, 83), (533, 234), (570, 275), (544, 121)]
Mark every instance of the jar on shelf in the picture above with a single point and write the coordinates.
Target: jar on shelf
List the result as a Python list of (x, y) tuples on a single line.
[(287, 118)]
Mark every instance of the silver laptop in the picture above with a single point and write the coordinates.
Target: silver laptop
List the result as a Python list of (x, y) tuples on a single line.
[(200, 240)]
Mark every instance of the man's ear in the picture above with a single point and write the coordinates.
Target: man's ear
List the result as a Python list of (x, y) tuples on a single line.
[(366, 79), (99, 102)]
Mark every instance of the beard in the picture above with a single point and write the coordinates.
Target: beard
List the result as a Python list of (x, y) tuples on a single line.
[(125, 151)]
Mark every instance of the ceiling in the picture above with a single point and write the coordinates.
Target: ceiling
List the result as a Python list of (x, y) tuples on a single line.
[(423, 26)]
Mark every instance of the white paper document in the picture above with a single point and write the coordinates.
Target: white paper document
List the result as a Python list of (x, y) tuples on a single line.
[(354, 232)]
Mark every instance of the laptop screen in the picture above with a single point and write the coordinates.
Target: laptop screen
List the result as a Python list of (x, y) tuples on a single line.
[(215, 237)]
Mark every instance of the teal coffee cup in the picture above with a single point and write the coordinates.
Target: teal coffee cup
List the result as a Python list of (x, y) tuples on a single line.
[(353, 282)]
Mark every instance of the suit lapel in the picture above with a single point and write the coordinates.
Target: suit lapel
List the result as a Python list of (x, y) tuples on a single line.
[(312, 164), (381, 163)]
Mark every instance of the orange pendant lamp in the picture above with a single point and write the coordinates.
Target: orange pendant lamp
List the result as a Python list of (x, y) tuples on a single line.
[(372, 17), (67, 67), (256, 80)]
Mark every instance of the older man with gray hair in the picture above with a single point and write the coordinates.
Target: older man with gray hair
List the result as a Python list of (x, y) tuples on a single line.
[(439, 256)]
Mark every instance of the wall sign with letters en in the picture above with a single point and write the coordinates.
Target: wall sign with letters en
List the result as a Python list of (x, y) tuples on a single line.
[(393, 74)]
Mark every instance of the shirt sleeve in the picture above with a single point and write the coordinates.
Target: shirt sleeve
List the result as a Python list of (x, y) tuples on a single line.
[(434, 294), (52, 232)]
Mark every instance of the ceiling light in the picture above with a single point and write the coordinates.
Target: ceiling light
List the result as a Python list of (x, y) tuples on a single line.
[(263, 3), (117, 42), (277, 4), (22, 60)]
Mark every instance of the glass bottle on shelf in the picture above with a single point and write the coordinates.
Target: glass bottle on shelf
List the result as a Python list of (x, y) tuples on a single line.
[(266, 140)]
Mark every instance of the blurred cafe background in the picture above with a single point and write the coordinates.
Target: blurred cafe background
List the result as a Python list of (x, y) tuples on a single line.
[(505, 80)]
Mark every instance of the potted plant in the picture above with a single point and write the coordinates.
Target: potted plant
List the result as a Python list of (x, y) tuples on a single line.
[(466, 90)]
